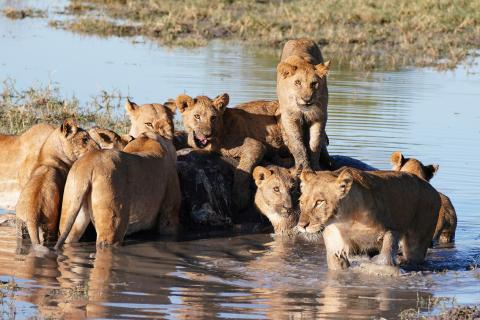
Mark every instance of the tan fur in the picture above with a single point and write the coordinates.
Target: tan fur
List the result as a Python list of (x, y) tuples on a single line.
[(359, 209), (123, 192), (108, 139), (447, 217), (40, 200), (275, 197), (303, 99), (247, 132), (18, 154), (151, 118)]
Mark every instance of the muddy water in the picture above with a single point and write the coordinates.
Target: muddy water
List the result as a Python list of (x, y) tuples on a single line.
[(433, 116)]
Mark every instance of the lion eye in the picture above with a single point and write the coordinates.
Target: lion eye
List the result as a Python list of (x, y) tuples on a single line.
[(197, 116), (85, 140), (149, 124), (314, 85), (297, 83), (319, 203), (276, 189)]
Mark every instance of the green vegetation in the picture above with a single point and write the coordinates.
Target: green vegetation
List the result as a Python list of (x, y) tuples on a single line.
[(363, 34), (19, 110)]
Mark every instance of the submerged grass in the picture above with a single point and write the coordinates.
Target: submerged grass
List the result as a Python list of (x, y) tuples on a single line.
[(363, 34), (19, 110)]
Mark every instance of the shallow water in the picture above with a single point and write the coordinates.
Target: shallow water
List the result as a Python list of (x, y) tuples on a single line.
[(423, 113)]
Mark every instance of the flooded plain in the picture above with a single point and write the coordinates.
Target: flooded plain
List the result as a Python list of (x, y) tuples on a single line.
[(433, 116)]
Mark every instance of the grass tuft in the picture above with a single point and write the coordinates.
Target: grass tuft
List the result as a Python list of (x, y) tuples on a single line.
[(13, 13)]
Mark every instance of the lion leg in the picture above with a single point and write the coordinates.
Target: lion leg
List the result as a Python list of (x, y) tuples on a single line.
[(81, 223), (336, 247), (169, 218), (251, 153), (415, 248), (448, 217), (389, 249), (111, 226), (292, 136)]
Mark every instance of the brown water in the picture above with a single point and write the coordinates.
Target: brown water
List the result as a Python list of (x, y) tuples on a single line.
[(430, 115)]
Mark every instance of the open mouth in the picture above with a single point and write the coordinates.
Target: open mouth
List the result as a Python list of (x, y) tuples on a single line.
[(200, 140)]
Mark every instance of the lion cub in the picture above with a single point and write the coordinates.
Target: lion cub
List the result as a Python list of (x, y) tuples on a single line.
[(123, 192), (357, 209), (247, 132), (303, 99), (40, 200), (447, 217), (276, 197)]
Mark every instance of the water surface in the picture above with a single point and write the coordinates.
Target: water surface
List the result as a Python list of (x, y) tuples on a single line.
[(423, 113)]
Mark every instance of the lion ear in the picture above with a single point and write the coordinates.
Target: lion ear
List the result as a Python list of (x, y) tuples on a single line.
[(260, 174), (130, 106), (221, 101), (126, 138), (431, 170), (183, 102), (344, 182), (322, 69), (286, 69), (69, 127), (397, 160), (170, 105)]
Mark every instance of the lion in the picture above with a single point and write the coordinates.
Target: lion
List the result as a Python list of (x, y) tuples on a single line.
[(303, 99), (360, 211), (277, 198), (143, 118), (447, 217), (248, 132), (18, 154), (39, 203), (108, 139), (123, 192)]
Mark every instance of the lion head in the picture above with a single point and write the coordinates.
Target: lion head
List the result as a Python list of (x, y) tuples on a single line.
[(301, 84), (74, 141), (400, 163), (202, 119), (322, 197), (155, 117), (108, 139), (277, 196)]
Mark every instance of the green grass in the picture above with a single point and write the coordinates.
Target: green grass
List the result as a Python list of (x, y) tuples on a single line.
[(20, 109), (364, 34)]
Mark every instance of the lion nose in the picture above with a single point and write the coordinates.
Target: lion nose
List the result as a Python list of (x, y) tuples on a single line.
[(308, 99)]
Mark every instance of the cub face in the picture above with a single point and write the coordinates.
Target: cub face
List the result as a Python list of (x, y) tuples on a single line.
[(322, 194), (202, 119), (277, 188), (156, 118), (300, 83), (75, 141), (400, 163)]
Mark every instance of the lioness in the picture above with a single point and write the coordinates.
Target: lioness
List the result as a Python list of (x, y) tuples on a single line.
[(357, 209), (247, 132), (447, 217), (18, 154), (40, 199), (303, 99), (276, 197), (123, 192)]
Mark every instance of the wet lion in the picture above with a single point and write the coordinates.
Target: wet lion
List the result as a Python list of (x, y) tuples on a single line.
[(39, 204), (303, 99), (447, 217), (360, 211)]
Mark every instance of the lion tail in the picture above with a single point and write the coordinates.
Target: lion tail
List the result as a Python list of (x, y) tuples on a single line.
[(77, 188)]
